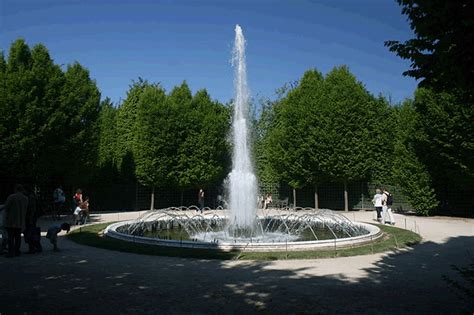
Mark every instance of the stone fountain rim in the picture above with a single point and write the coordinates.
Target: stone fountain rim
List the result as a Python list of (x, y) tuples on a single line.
[(374, 234)]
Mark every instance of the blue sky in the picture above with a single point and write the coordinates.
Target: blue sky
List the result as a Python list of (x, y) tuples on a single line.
[(171, 41)]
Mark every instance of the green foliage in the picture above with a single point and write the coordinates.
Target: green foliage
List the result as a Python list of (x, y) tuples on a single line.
[(154, 145), (80, 103), (203, 153), (287, 123), (48, 117), (180, 139), (326, 129), (446, 127), (409, 173), (440, 54), (442, 61), (107, 133), (126, 126), (264, 170), (352, 122), (17, 98)]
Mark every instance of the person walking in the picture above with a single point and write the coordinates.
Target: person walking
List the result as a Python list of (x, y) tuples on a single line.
[(377, 201), (201, 199), (387, 201), (15, 212)]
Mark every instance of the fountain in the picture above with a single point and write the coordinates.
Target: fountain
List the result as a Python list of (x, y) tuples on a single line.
[(240, 227), (243, 183)]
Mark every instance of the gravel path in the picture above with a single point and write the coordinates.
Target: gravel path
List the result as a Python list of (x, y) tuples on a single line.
[(82, 279)]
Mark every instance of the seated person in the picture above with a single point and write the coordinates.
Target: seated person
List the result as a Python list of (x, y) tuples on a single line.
[(81, 212), (267, 201)]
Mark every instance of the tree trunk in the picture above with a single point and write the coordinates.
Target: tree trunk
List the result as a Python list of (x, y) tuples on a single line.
[(316, 198), (346, 198), (294, 198), (152, 206)]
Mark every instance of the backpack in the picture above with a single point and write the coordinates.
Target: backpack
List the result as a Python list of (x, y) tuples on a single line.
[(389, 199)]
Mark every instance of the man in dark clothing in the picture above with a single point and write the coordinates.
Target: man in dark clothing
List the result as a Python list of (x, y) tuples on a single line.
[(15, 213), (32, 233)]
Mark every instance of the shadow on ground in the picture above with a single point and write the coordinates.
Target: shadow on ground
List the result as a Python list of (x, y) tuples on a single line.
[(85, 279)]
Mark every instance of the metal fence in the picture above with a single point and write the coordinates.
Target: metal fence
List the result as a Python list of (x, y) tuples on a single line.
[(331, 195), (133, 196)]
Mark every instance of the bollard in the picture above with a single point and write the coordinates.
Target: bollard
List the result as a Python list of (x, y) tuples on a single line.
[(405, 223)]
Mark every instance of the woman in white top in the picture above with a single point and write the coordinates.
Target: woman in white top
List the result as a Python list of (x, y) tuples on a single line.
[(377, 201)]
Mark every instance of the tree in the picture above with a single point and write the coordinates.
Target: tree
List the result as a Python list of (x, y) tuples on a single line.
[(154, 148), (80, 108), (443, 61), (46, 114), (3, 121), (126, 126), (351, 119), (444, 144), (440, 55), (107, 133), (408, 172), (263, 166), (203, 153), (293, 124), (17, 137)]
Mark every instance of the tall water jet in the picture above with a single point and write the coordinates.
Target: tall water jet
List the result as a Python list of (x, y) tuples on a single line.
[(242, 180)]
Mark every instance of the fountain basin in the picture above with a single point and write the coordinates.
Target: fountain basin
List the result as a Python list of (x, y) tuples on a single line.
[(135, 231)]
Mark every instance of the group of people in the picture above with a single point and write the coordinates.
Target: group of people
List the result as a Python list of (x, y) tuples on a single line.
[(265, 202), (19, 216), (383, 201), (81, 208)]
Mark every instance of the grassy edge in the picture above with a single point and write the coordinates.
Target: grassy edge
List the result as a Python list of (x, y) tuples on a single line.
[(394, 238)]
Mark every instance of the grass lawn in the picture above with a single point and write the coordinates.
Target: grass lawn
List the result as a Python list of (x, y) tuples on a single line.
[(394, 238)]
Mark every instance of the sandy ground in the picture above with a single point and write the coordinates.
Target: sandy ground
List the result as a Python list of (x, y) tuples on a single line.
[(82, 279)]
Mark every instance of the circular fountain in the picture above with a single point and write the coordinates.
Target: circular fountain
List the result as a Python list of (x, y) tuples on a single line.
[(241, 227), (307, 229)]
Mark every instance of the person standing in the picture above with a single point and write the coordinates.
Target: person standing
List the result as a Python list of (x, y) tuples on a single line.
[(59, 198), (377, 201), (77, 198), (32, 233), (15, 212), (201, 199), (387, 201)]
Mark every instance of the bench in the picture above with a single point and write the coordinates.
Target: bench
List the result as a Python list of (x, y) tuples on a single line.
[(279, 203)]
